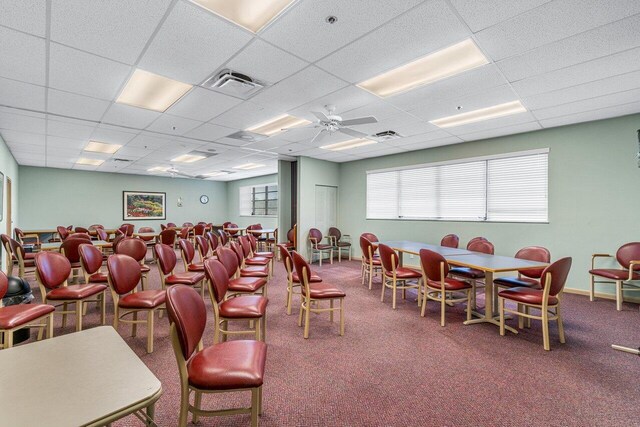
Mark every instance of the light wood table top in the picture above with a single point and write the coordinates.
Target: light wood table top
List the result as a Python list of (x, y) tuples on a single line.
[(492, 263), (262, 231), (147, 234), (84, 378), (414, 248), (54, 246)]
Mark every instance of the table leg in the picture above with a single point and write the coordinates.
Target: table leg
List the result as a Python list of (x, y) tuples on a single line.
[(151, 409), (488, 305), (400, 258)]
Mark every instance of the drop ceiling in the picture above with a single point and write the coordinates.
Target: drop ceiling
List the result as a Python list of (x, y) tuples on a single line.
[(63, 63)]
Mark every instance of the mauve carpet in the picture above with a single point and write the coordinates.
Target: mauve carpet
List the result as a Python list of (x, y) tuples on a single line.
[(397, 368)]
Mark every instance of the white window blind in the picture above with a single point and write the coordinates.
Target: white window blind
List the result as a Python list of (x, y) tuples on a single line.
[(258, 200), (502, 188)]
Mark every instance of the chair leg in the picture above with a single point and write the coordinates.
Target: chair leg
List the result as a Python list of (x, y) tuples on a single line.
[(501, 307), (619, 295), (545, 328), (134, 326), (150, 316), (591, 291), (424, 302), (384, 285), (473, 298), (301, 311), (528, 320), (331, 256), (289, 297), (263, 324), (197, 402), (341, 317), (78, 316), (331, 312), (260, 400), (320, 258), (216, 332), (50, 326), (103, 308), (560, 325), (255, 403), (306, 320), (520, 318), (362, 272), (184, 405), (443, 307), (469, 306), (8, 339), (371, 270), (257, 327), (64, 314)]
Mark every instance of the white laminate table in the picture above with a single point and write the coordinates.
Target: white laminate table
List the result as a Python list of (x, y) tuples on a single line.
[(55, 246), (87, 378)]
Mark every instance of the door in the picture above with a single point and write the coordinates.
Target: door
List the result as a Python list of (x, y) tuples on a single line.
[(326, 207)]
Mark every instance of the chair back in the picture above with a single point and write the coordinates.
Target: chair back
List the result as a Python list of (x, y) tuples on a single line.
[(287, 259), (202, 222), (226, 224), (187, 224), (81, 230), (475, 239), (253, 241), (146, 230), (124, 273), (163, 227), (83, 236), (482, 246), (6, 243), (102, 235), (4, 286), (168, 237), (171, 225), (291, 235), (90, 258), (217, 275), (245, 243), (184, 232), (232, 232), (19, 232), (370, 237), (388, 257), (127, 229), (224, 237), (559, 272), (367, 248), (133, 247), (533, 253), (186, 311), (69, 248), (203, 246), (116, 240), (187, 250), (627, 253), (52, 269), (16, 249), (228, 258), (450, 241), (430, 262), (62, 231), (302, 268), (166, 258), (315, 236), (95, 226), (237, 249), (213, 240), (335, 233), (198, 229)]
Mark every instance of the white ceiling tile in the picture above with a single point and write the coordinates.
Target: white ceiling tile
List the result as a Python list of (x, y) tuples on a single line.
[(116, 29), (128, 152), (22, 123), (21, 95), (551, 22), (305, 86), (202, 104), (245, 115), (192, 44), (429, 27), (264, 62), (70, 153), (149, 141), (597, 103), (483, 14), (23, 57), (13, 137), (209, 132), (379, 109), (304, 32), (30, 159), (502, 131), (299, 134), (432, 143), (133, 117), (29, 16), (172, 125), (601, 68), (111, 136), (55, 143), (79, 72), (76, 106), (598, 114), (605, 40), (410, 140), (69, 129)]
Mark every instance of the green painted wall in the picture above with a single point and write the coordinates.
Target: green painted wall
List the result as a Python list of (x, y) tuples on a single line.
[(312, 172), (233, 202), (284, 199), (9, 168), (51, 197), (593, 194)]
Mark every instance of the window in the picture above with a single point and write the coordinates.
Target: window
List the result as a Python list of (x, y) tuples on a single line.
[(507, 188), (259, 200)]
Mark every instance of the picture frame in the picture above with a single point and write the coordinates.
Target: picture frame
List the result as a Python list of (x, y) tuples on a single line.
[(144, 205)]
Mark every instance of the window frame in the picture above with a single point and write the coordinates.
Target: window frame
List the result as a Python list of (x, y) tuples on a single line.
[(461, 161), (270, 204)]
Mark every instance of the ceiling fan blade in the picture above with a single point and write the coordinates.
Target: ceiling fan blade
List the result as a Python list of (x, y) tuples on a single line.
[(359, 121), (320, 136), (353, 133), (321, 116)]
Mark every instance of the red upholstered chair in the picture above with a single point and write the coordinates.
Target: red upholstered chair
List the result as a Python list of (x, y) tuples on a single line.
[(52, 271), (475, 276), (336, 240), (529, 277), (70, 249), (146, 230), (316, 246), (91, 262), (314, 293), (254, 249), (239, 284), (293, 280), (250, 258), (81, 230), (184, 233), (63, 232), (83, 236), (233, 234), (23, 259), (167, 263), (546, 300), (370, 237), (163, 227), (188, 257), (224, 237), (20, 316), (202, 245), (96, 226), (370, 262), (168, 237), (252, 308), (393, 274), (116, 240), (253, 270), (104, 236), (127, 229), (213, 240), (450, 241), (27, 239), (171, 225), (136, 249), (199, 229), (628, 256), (437, 286), (124, 276), (187, 224), (291, 238), (232, 366)]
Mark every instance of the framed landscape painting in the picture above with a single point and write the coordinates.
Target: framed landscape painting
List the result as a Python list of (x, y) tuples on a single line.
[(139, 205)]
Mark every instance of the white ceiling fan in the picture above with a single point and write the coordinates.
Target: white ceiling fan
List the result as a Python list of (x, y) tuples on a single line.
[(329, 123)]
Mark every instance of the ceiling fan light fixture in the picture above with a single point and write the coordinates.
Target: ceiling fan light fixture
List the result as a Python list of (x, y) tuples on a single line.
[(493, 112), (351, 143), (253, 15), (444, 63), (152, 91), (276, 124)]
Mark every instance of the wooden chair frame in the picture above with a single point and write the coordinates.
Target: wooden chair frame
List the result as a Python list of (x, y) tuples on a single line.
[(258, 325), (548, 312), (310, 305), (440, 295), (290, 285), (334, 242), (35, 236), (394, 285), (6, 335), (621, 285), (313, 248), (369, 270), (16, 259), (163, 277), (185, 392)]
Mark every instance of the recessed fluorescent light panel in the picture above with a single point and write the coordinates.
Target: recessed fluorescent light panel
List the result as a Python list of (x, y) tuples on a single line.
[(444, 63), (188, 158), (158, 169), (89, 162), (151, 91), (493, 112), (248, 166), (250, 14), (352, 143), (275, 125), (101, 147), (212, 174)]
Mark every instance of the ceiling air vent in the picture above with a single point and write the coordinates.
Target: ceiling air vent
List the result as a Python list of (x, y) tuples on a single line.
[(387, 135), (234, 84), (246, 136), (121, 160)]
